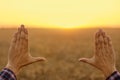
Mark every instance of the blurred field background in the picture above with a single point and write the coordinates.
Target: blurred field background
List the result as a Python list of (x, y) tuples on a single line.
[(62, 48)]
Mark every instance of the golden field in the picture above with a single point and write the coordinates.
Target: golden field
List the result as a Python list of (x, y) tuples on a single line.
[(62, 48)]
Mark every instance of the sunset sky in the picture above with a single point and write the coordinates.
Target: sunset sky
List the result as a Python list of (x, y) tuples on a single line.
[(60, 13)]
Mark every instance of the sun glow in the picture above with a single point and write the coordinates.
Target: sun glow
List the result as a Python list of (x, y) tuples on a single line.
[(60, 13), (67, 27)]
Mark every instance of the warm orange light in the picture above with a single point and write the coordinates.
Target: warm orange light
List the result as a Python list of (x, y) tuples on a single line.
[(60, 13)]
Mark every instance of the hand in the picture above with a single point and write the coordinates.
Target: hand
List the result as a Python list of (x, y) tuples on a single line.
[(18, 55), (104, 57)]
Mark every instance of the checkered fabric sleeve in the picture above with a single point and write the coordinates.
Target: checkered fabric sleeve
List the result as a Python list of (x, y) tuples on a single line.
[(7, 74), (114, 76)]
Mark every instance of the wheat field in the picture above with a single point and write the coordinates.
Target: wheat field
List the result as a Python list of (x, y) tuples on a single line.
[(62, 48)]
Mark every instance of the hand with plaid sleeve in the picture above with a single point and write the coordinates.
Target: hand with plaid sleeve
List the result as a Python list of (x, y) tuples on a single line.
[(104, 56), (18, 55)]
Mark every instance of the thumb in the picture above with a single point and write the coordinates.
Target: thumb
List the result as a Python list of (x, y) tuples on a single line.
[(87, 60), (37, 59), (33, 60)]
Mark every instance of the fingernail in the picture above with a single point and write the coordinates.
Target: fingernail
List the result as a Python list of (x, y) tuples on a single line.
[(22, 26)]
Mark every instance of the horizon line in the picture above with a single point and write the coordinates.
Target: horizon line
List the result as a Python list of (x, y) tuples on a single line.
[(59, 27)]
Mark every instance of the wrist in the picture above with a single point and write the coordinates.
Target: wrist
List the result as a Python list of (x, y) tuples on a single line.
[(15, 70), (109, 72)]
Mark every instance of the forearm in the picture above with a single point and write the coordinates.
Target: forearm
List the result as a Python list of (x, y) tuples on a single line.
[(7, 74), (114, 76)]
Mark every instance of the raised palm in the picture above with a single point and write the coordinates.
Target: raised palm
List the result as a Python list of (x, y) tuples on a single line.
[(104, 56), (19, 55)]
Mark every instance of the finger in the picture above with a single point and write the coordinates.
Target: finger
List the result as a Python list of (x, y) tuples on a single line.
[(110, 45), (21, 35), (18, 38), (18, 34), (104, 50), (104, 38), (23, 40), (14, 39), (25, 30), (26, 33), (25, 37), (37, 59), (86, 60), (96, 41), (102, 41), (109, 41)]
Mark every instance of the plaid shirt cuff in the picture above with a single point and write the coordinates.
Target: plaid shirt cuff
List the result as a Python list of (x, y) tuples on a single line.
[(114, 76), (7, 74)]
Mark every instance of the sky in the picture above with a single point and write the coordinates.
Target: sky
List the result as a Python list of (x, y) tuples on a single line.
[(60, 13)]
